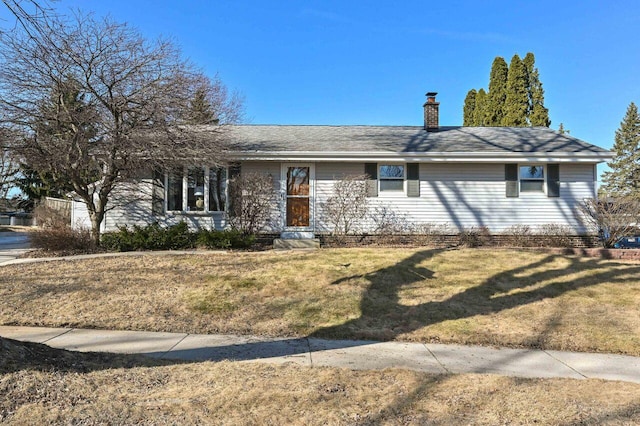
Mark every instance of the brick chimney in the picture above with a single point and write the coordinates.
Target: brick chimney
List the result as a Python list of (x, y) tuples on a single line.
[(431, 112)]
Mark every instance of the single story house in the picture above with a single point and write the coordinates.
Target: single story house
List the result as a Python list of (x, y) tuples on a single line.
[(496, 177)]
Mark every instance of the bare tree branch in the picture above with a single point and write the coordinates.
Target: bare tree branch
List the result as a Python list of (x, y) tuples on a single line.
[(348, 204), (94, 103), (611, 218), (252, 198), (30, 21)]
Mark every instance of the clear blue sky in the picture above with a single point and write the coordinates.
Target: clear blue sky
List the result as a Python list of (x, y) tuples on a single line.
[(371, 62)]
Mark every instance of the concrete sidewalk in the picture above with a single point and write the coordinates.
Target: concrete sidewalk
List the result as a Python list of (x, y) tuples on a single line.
[(357, 355)]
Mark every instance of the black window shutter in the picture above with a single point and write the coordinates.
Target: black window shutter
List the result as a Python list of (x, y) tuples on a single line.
[(371, 170), (511, 179), (157, 193), (413, 180), (234, 173), (553, 180)]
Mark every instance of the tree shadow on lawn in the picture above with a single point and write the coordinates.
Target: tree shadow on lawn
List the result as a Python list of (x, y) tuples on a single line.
[(384, 318)]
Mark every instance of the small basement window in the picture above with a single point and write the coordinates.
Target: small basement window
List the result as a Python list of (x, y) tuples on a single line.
[(531, 178), (391, 177)]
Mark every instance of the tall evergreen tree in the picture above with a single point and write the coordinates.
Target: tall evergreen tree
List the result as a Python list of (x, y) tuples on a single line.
[(624, 177), (529, 65), (538, 114), (469, 108), (494, 107), (36, 185), (497, 92), (480, 111), (65, 118), (200, 110), (562, 130), (517, 98)]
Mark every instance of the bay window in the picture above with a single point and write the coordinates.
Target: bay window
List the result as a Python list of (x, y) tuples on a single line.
[(174, 189), (196, 189)]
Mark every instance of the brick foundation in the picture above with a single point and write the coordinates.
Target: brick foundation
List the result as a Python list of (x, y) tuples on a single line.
[(603, 253), (472, 240), (579, 241), (580, 245)]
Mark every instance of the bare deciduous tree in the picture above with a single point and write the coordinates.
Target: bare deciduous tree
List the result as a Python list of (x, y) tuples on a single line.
[(611, 219), (253, 196), (348, 205), (29, 14), (8, 172), (95, 103)]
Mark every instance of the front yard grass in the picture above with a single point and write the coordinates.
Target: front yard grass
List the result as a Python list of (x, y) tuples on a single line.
[(256, 394), (469, 296)]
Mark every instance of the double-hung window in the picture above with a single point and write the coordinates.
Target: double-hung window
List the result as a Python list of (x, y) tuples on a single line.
[(391, 177), (532, 178), (196, 189)]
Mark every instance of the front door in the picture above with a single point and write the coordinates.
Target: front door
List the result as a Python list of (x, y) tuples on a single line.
[(298, 194)]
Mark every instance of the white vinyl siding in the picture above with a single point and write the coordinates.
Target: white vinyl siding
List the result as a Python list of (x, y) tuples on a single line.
[(460, 195), (464, 195)]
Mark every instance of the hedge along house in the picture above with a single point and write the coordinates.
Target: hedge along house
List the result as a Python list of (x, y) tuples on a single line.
[(463, 177)]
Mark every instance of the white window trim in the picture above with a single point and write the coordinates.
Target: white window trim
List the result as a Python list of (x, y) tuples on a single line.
[(388, 192), (544, 178), (185, 192)]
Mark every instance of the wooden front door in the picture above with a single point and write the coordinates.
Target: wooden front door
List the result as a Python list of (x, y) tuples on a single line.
[(298, 194)]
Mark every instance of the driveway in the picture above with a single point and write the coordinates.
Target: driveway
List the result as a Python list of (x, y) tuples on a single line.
[(13, 244)]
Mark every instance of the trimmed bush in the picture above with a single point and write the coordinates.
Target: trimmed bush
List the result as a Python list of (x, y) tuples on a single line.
[(231, 238), (175, 237), (150, 237)]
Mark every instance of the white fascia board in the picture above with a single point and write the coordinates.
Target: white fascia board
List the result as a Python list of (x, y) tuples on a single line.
[(443, 157)]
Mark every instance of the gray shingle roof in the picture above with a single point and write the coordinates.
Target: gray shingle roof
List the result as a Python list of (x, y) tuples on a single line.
[(405, 139)]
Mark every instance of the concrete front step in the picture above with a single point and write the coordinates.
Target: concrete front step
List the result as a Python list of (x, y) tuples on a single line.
[(296, 243)]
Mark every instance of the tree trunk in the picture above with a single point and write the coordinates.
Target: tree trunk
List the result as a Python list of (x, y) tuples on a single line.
[(95, 229), (96, 214)]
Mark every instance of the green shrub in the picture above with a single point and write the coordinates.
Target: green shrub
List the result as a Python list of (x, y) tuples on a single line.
[(175, 237), (120, 240), (150, 237), (231, 238)]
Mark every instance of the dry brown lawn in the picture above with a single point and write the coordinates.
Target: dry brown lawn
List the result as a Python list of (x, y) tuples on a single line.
[(488, 297), (91, 390)]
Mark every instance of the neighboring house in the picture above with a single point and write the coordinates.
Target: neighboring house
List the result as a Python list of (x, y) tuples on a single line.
[(460, 176)]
